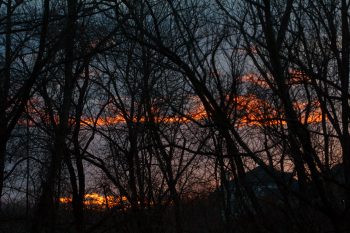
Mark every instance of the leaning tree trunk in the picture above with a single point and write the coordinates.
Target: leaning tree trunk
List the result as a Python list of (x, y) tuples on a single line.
[(44, 219)]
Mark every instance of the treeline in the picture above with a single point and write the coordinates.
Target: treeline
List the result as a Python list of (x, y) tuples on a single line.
[(174, 106)]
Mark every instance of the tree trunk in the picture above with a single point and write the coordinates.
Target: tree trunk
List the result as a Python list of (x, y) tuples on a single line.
[(4, 91), (344, 79), (3, 144), (45, 213)]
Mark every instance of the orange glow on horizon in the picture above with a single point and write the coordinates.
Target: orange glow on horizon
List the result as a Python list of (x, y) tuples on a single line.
[(99, 201), (251, 111)]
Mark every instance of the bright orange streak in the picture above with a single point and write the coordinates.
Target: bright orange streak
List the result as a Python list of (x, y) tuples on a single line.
[(258, 112), (96, 200), (251, 111)]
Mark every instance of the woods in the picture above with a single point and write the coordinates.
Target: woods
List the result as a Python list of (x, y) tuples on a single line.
[(174, 116)]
